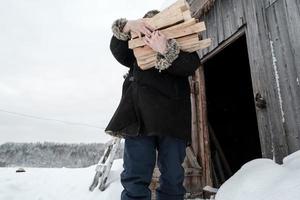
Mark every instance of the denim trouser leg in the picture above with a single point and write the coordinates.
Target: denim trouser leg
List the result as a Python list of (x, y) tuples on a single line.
[(139, 162), (171, 154)]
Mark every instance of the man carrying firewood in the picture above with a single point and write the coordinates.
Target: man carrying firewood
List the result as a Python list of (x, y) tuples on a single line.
[(154, 112)]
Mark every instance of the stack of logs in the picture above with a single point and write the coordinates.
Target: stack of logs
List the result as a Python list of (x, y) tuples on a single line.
[(174, 22)]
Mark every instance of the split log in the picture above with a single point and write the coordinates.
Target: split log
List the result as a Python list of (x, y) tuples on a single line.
[(187, 15), (169, 16)]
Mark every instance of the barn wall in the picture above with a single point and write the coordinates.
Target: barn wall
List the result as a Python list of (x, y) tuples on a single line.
[(224, 19), (272, 30), (283, 21)]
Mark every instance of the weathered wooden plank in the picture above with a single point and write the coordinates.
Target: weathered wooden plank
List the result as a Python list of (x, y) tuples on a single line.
[(219, 21), (192, 158), (292, 9), (194, 183), (204, 143), (285, 70), (226, 17), (212, 18), (233, 25), (207, 32), (239, 15), (271, 129)]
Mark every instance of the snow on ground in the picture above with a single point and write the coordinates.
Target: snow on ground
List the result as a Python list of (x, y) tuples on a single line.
[(263, 179), (58, 184), (260, 179)]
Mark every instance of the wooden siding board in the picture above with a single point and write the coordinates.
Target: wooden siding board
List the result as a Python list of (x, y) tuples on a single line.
[(209, 18), (220, 28), (226, 17), (214, 27), (211, 27), (239, 13), (256, 75), (292, 8), (232, 18), (284, 62), (263, 78), (269, 2)]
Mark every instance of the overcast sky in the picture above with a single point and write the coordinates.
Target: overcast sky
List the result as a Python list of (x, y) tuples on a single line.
[(55, 64)]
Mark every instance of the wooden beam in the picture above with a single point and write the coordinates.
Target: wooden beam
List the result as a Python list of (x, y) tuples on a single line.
[(202, 124), (192, 158)]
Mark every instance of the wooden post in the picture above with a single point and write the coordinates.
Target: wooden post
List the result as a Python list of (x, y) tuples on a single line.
[(200, 137), (204, 153)]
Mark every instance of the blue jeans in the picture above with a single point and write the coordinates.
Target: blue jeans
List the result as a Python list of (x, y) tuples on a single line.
[(139, 162)]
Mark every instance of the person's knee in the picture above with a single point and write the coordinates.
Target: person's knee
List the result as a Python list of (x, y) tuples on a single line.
[(139, 162), (170, 159)]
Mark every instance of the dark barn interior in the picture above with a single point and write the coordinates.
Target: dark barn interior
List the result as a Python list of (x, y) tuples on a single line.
[(231, 110)]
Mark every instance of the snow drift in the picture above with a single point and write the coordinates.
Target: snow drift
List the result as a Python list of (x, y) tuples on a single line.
[(263, 179)]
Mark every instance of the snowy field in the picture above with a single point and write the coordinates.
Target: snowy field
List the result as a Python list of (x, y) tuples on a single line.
[(260, 179), (58, 184)]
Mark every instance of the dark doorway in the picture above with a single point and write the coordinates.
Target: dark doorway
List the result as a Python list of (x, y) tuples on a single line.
[(231, 110)]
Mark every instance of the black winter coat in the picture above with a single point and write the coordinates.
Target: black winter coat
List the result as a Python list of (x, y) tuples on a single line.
[(153, 102)]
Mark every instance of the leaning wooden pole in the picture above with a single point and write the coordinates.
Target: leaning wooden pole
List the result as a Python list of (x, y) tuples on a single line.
[(204, 154), (193, 183)]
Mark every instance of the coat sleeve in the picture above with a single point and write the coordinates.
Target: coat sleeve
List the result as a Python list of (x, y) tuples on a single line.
[(121, 52), (177, 62), (185, 64)]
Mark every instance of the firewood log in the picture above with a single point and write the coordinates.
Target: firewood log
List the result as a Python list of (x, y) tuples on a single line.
[(169, 16)]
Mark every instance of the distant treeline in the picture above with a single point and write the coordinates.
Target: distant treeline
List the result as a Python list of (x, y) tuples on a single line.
[(49, 154)]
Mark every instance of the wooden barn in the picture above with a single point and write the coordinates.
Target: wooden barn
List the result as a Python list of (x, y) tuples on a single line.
[(246, 93)]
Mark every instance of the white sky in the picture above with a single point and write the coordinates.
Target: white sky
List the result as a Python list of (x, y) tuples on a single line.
[(55, 63)]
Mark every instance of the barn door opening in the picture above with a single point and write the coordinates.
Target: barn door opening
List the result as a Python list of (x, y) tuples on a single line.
[(231, 112)]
